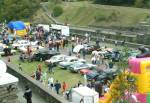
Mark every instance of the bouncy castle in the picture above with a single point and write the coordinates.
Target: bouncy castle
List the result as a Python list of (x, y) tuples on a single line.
[(18, 28), (140, 68)]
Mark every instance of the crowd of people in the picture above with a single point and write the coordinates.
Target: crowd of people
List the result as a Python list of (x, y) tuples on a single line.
[(54, 41)]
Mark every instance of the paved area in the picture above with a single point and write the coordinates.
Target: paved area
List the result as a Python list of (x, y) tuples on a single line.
[(35, 98)]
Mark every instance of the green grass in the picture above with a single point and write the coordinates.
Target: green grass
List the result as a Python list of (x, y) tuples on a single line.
[(59, 74), (85, 14), (40, 17)]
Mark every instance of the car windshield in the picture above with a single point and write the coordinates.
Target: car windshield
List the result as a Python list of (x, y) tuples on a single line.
[(1, 48), (82, 65), (1, 37), (92, 74), (54, 58), (77, 64), (70, 60), (66, 59)]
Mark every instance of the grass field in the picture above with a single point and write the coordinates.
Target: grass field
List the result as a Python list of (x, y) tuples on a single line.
[(40, 17), (59, 74), (86, 13)]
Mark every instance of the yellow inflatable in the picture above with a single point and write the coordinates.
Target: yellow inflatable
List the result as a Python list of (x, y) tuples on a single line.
[(21, 32)]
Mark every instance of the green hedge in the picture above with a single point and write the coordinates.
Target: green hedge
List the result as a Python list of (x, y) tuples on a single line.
[(57, 11)]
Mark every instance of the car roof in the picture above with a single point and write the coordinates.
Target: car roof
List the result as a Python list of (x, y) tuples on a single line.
[(60, 55), (77, 63), (71, 57), (93, 73), (46, 50)]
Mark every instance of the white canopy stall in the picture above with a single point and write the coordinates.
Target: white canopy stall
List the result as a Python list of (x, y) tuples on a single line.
[(64, 30), (8, 85), (84, 95)]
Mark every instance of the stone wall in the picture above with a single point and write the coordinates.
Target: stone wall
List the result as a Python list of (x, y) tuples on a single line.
[(36, 86), (94, 35)]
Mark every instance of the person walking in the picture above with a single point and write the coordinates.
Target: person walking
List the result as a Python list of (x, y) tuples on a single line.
[(38, 75), (44, 77), (72, 47), (69, 52), (50, 67), (64, 87), (28, 94), (22, 57), (79, 84), (63, 44), (39, 67), (93, 60), (83, 53), (20, 67), (51, 82), (57, 46), (57, 86)]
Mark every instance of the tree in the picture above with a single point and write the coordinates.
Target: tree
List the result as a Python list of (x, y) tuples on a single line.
[(57, 11), (56, 1), (125, 83), (139, 3), (18, 9), (124, 86), (115, 2)]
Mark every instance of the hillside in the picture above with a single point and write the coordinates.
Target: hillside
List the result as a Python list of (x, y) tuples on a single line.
[(40, 17), (88, 14)]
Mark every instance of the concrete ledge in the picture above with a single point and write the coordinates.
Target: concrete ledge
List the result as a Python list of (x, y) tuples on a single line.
[(36, 86), (112, 41)]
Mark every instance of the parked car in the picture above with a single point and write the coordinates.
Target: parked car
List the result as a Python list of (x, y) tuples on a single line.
[(88, 48), (85, 71), (56, 59), (69, 61), (108, 74), (115, 55), (44, 54), (18, 43), (76, 67), (23, 48), (92, 75), (21, 43)]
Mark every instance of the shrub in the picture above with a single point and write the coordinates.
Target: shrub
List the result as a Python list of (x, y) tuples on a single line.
[(113, 16), (100, 17), (57, 11)]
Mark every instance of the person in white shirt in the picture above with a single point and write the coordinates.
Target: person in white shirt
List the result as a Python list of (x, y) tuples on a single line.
[(51, 82)]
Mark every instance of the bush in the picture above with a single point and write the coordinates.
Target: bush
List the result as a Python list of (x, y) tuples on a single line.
[(57, 11), (100, 17), (139, 3), (113, 16)]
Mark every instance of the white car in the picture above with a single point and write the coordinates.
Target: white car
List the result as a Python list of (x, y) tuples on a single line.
[(56, 59), (33, 48), (69, 61), (21, 43), (76, 67)]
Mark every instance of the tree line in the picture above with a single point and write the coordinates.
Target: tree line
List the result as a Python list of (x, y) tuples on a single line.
[(17, 9), (136, 3)]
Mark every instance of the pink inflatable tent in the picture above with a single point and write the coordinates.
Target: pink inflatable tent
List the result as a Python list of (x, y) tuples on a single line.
[(134, 64)]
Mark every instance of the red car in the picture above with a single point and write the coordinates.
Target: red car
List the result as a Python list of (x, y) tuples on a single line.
[(85, 71)]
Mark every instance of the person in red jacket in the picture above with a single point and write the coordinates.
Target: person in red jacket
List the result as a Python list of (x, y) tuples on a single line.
[(64, 87)]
